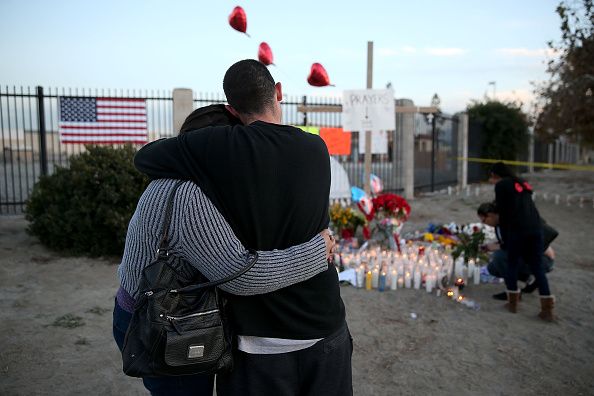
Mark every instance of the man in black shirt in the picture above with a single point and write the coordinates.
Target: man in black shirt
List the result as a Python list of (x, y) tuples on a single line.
[(271, 182)]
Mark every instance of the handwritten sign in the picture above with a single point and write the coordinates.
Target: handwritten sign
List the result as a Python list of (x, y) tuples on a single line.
[(368, 110)]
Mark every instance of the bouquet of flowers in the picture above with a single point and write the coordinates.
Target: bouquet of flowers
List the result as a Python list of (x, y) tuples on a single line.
[(469, 243), (385, 217), (345, 221)]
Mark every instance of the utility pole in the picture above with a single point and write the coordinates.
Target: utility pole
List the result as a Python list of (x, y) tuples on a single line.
[(368, 133)]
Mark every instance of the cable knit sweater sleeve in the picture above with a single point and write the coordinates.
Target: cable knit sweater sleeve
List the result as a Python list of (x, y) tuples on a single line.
[(208, 243)]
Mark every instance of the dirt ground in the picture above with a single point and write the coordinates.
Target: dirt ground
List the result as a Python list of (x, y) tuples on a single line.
[(55, 317)]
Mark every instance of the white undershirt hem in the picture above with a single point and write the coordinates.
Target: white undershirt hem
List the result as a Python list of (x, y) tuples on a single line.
[(269, 346)]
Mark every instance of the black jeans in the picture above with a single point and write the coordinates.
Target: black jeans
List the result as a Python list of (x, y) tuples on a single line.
[(528, 247), (195, 385), (322, 369)]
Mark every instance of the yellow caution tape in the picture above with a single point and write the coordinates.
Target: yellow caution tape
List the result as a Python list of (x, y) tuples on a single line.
[(536, 164)]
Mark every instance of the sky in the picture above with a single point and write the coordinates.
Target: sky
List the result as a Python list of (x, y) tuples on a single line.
[(453, 48)]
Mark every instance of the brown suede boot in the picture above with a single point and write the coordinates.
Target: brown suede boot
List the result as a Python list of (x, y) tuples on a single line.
[(546, 308), (513, 297)]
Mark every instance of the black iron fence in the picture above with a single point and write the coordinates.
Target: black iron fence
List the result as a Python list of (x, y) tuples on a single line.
[(31, 145), (30, 141)]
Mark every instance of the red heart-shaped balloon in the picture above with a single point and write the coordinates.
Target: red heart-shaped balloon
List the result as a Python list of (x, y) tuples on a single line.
[(318, 76), (265, 54), (238, 20)]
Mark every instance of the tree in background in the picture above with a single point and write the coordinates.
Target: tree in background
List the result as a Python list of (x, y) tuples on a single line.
[(504, 128), (567, 99)]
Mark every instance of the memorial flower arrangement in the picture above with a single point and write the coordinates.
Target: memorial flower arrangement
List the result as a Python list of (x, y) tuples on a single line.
[(469, 243), (442, 234), (345, 220), (385, 217)]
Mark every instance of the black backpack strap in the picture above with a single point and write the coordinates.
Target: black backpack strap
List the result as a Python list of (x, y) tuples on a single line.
[(164, 242), (252, 258)]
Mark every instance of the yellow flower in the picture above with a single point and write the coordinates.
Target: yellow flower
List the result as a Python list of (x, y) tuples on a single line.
[(428, 237)]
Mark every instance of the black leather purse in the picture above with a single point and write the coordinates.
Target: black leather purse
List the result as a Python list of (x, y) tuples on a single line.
[(179, 326)]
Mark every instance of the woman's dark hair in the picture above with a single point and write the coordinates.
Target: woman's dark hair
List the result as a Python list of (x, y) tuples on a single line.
[(485, 208), (212, 115), (502, 170)]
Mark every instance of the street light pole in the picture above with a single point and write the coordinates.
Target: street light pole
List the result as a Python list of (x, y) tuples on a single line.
[(494, 84)]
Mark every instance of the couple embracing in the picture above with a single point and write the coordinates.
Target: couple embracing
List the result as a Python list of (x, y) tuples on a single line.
[(252, 183)]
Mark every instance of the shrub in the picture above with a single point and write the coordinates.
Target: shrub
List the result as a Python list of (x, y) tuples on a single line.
[(85, 208), (505, 129)]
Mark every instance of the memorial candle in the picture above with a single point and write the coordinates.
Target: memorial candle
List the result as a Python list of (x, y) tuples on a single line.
[(477, 275), (394, 280), (382, 282), (368, 281), (417, 278), (360, 272), (429, 283), (470, 268), (375, 278), (407, 280), (400, 282)]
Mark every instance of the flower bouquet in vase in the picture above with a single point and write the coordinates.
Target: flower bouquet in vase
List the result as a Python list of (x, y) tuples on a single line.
[(344, 222), (385, 218)]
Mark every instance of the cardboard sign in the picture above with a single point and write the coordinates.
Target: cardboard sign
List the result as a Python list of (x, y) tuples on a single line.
[(337, 140), (368, 110)]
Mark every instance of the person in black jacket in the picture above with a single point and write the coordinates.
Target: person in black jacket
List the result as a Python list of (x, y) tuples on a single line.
[(521, 231), (271, 182), (497, 265)]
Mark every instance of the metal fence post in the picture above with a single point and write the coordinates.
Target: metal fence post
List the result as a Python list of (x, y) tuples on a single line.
[(433, 149), (42, 132), (304, 113), (531, 150), (463, 150)]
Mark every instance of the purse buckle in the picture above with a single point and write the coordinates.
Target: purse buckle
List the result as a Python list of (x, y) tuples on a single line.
[(163, 252), (195, 351)]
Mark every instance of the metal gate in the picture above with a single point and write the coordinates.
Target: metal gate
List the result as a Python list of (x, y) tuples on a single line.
[(436, 151)]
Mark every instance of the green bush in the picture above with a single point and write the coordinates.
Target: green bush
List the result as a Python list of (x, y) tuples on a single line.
[(85, 208), (505, 129)]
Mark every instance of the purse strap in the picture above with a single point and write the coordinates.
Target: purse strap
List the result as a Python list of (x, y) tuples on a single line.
[(164, 242), (164, 249), (252, 258)]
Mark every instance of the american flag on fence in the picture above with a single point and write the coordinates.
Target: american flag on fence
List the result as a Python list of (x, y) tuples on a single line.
[(102, 120)]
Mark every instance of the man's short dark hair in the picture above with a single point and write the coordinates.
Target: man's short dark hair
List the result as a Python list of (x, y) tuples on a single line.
[(485, 208), (249, 87)]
